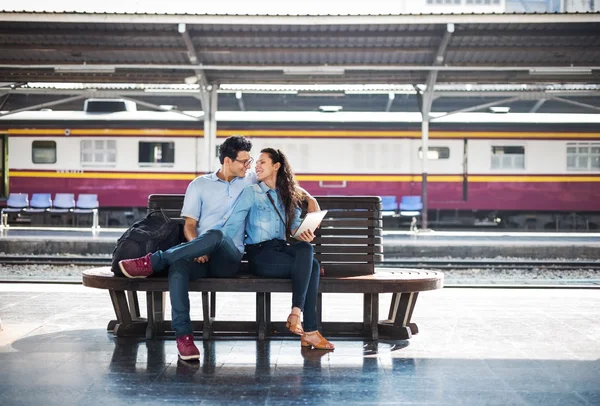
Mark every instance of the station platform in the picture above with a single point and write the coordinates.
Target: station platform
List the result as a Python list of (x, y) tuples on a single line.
[(475, 347), (405, 244)]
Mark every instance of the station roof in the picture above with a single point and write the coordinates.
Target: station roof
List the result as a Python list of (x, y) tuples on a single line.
[(233, 49)]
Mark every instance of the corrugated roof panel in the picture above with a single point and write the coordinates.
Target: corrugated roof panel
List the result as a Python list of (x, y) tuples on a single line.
[(358, 57)]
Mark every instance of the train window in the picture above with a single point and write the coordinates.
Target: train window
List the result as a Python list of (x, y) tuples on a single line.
[(43, 152), (156, 153), (583, 156), (98, 153), (508, 157), (435, 153)]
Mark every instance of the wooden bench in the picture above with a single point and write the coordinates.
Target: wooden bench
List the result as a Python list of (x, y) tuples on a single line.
[(348, 244)]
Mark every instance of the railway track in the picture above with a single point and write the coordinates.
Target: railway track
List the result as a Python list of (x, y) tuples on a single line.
[(80, 260), (442, 264), (457, 264)]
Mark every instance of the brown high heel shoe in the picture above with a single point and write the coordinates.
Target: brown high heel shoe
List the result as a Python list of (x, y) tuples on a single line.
[(294, 326), (322, 344)]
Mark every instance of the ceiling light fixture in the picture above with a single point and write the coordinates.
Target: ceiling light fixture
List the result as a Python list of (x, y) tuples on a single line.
[(191, 80), (84, 69), (313, 70), (567, 70), (499, 109), (330, 109)]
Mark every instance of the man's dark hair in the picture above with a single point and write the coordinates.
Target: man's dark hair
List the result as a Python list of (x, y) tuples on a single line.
[(232, 146)]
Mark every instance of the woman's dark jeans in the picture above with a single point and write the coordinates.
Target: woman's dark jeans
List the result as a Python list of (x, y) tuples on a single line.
[(278, 259)]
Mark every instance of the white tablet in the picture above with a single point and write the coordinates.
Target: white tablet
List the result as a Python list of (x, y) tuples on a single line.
[(310, 222)]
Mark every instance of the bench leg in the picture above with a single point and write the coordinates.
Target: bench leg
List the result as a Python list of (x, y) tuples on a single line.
[(261, 317), (398, 325), (371, 315), (213, 305), (207, 318), (125, 325), (155, 303), (134, 305), (268, 312), (320, 311)]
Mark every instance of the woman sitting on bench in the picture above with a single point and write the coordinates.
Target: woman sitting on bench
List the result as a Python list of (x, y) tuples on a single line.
[(262, 208)]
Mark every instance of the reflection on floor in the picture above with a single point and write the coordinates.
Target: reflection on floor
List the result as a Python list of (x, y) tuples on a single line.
[(476, 346)]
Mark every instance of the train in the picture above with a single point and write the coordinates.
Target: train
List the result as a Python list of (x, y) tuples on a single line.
[(521, 171)]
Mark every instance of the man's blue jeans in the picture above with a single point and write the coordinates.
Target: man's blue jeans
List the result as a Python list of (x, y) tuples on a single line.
[(277, 259), (224, 262)]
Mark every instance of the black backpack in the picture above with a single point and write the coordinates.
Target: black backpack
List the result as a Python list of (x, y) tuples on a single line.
[(153, 233)]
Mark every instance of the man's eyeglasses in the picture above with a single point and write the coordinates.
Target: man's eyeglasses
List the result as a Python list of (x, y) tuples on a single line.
[(245, 162)]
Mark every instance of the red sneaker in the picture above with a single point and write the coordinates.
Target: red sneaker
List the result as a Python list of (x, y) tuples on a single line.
[(137, 267), (186, 348)]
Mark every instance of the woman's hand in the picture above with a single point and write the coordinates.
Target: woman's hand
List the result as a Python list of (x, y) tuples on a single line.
[(202, 260), (306, 236)]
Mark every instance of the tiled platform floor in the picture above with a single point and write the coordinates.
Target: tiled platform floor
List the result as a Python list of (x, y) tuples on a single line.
[(476, 347)]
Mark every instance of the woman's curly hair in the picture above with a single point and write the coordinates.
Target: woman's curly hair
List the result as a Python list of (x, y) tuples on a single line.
[(286, 185)]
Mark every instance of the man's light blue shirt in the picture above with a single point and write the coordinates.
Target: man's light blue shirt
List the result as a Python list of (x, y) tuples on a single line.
[(254, 211), (209, 200)]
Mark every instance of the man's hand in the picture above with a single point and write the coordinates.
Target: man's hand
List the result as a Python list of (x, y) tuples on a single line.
[(202, 260), (306, 236), (313, 205)]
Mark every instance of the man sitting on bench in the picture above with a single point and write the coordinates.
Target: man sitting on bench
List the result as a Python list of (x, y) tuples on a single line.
[(208, 200)]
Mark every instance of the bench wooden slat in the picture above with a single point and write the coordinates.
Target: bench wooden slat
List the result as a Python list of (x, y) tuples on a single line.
[(356, 268), (359, 232), (324, 257), (347, 240), (348, 249), (353, 214), (350, 223)]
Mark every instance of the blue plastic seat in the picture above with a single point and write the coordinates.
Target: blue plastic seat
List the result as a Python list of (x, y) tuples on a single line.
[(88, 204), (411, 205), (63, 203), (389, 205), (40, 202), (16, 203)]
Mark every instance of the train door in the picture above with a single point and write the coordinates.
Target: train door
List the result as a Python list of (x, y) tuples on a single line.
[(446, 172), (4, 165)]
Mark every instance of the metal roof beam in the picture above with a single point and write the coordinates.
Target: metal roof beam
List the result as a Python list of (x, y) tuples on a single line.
[(524, 94), (440, 55), (103, 93), (426, 103), (310, 69), (478, 107), (537, 105), (300, 20), (121, 32), (44, 105), (195, 60), (4, 100), (292, 49), (157, 107), (576, 103)]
